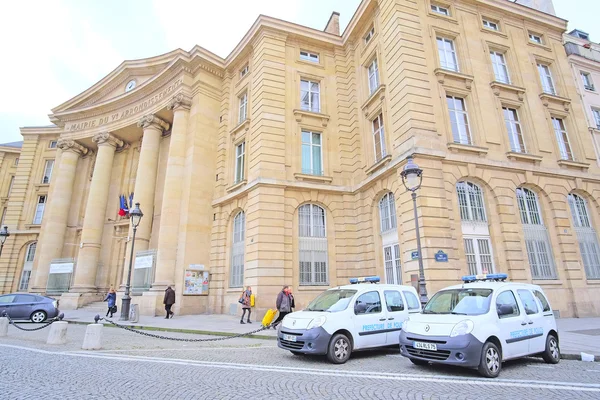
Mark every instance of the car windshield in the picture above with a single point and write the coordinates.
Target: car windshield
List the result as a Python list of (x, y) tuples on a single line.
[(332, 300), (460, 301)]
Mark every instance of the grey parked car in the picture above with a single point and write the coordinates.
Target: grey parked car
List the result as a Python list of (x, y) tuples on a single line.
[(28, 306)]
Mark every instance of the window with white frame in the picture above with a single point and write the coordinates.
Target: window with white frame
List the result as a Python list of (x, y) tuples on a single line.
[(370, 35), (10, 185), (236, 275), (373, 76), (312, 245), (378, 137), (500, 67), (586, 236), (389, 239), (240, 162), (588, 84), (447, 54), (514, 129), (489, 24), (562, 139), (48, 171), (475, 229), (39, 210), (439, 9), (243, 108), (535, 38), (537, 241), (27, 266), (596, 114), (52, 144), (308, 56), (244, 71), (387, 213), (312, 153), (459, 120), (310, 96), (546, 79)]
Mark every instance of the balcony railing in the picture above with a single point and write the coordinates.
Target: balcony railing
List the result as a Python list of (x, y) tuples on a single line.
[(578, 50)]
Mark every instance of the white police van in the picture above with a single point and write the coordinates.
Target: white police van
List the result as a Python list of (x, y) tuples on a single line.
[(482, 323), (348, 318)]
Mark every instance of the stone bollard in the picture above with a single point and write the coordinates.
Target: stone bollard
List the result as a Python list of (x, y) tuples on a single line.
[(93, 337), (3, 326), (58, 333)]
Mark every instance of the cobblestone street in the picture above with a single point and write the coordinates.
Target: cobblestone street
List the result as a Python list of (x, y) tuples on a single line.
[(137, 367)]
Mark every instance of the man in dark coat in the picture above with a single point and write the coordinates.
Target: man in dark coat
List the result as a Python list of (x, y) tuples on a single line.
[(283, 304), (169, 301)]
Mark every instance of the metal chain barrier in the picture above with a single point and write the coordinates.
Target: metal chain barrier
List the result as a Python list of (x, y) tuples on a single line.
[(127, 328), (50, 322)]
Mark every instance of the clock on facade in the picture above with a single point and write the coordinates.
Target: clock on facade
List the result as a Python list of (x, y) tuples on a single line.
[(130, 85)]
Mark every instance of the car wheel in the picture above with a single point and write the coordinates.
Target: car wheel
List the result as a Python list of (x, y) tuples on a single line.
[(38, 316), (552, 353), (421, 363), (296, 353), (339, 349), (491, 361)]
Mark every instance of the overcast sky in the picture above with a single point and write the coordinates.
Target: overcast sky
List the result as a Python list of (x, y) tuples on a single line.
[(53, 50)]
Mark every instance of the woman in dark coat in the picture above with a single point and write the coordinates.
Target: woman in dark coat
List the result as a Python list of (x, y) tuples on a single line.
[(169, 301), (111, 297)]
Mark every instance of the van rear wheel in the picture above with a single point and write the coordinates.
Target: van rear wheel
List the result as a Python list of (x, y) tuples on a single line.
[(339, 349)]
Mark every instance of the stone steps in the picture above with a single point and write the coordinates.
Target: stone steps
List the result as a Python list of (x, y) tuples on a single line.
[(96, 306)]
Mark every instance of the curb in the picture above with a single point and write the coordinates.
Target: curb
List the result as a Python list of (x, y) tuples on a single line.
[(576, 357), (177, 330)]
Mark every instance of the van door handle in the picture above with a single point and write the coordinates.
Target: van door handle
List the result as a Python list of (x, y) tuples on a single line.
[(390, 319), (382, 319), (523, 323), (530, 322)]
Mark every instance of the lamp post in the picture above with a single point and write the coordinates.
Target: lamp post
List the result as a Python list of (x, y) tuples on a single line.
[(3, 236), (136, 216), (412, 176)]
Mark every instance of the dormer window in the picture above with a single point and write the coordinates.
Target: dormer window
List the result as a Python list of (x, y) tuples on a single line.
[(308, 56)]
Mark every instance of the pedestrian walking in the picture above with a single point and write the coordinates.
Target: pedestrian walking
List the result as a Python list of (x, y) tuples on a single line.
[(111, 297), (246, 306), (284, 305), (169, 301), (292, 301)]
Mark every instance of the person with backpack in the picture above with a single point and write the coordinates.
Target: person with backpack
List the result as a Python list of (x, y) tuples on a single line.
[(246, 306), (111, 297)]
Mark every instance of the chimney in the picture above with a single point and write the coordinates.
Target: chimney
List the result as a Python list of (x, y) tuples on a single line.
[(333, 25)]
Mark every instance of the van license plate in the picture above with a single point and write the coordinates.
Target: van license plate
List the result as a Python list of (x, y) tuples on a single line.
[(289, 338), (425, 346)]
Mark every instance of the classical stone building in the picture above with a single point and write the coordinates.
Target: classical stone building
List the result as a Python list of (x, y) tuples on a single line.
[(280, 164)]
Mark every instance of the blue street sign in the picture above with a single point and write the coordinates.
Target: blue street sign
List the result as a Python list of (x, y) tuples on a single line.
[(440, 256), (414, 255)]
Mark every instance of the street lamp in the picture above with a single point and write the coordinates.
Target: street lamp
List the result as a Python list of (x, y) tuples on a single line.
[(412, 176), (3, 236), (136, 216)]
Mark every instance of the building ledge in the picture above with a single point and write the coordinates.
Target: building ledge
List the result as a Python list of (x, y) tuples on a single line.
[(467, 148), (236, 186), (443, 74), (302, 115), (538, 45), (379, 93), (493, 32), (379, 164), (3, 199), (499, 87), (42, 185), (33, 226), (244, 125), (550, 281), (573, 164), (515, 156), (315, 178), (548, 98)]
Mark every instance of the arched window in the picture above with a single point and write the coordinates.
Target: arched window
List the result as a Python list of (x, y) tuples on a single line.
[(27, 266), (236, 276), (537, 241), (389, 239), (475, 230), (586, 235), (312, 245)]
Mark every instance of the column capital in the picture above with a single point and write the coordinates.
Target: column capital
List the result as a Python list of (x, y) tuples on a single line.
[(107, 139), (152, 120), (180, 102), (71, 145)]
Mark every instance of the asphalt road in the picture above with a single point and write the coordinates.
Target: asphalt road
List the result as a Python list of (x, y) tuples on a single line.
[(137, 367)]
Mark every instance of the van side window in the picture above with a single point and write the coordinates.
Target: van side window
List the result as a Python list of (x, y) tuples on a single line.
[(506, 305), (528, 301), (368, 303), (540, 296), (411, 300), (393, 300)]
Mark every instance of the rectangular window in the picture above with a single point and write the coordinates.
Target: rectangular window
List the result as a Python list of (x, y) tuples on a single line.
[(369, 35), (52, 144), (240, 161), (500, 68), (596, 114), (243, 112), (48, 171), (3, 217), (312, 163), (459, 120), (244, 71), (535, 38), (447, 53), (379, 137), (491, 25), (562, 138), (308, 56), (373, 76), (546, 78), (310, 96), (478, 252), (588, 84), (440, 10), (391, 259), (16, 161), (10, 185), (39, 210), (515, 132)]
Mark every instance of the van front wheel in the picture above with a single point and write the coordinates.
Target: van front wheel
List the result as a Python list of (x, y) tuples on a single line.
[(491, 361), (552, 353), (340, 349)]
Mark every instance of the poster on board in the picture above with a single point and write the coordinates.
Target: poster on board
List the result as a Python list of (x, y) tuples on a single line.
[(196, 282)]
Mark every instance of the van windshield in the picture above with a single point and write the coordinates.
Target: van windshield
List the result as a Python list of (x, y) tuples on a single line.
[(332, 300), (460, 301)]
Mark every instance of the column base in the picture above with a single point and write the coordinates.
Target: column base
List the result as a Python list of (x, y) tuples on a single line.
[(73, 301), (151, 303), (83, 289)]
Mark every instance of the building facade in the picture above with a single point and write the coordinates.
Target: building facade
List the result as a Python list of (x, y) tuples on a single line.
[(280, 164)]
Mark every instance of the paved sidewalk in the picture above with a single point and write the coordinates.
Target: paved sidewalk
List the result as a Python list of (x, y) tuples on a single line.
[(576, 334)]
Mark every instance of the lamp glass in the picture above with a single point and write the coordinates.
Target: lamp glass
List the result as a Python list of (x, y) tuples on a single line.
[(412, 180), (136, 215), (4, 234)]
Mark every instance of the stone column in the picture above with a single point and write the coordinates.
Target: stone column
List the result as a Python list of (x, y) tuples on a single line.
[(55, 222), (95, 212), (172, 193)]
